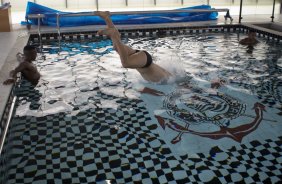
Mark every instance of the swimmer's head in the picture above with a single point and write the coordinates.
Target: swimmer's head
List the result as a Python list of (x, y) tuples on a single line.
[(30, 52)]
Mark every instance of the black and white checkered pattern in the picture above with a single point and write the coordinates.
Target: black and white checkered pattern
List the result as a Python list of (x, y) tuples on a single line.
[(91, 147), (122, 146), (255, 162)]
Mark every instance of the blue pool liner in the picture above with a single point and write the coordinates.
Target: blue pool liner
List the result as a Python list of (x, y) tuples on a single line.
[(127, 19)]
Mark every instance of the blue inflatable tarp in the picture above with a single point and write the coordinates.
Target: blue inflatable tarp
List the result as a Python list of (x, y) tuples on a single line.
[(127, 19)]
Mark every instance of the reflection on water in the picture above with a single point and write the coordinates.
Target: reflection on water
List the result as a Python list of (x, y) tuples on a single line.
[(78, 69)]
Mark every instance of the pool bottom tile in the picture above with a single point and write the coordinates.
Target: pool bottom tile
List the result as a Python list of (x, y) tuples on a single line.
[(79, 151)]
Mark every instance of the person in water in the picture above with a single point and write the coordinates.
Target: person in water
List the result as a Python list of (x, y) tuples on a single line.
[(140, 60), (26, 67), (250, 40)]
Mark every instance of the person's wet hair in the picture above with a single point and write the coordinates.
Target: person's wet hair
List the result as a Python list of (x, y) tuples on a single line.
[(30, 52), (29, 48)]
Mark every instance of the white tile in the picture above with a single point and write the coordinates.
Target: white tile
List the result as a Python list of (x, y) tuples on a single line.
[(206, 175)]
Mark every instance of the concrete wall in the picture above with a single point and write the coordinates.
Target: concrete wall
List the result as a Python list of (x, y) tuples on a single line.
[(110, 4), (18, 5), (57, 4)]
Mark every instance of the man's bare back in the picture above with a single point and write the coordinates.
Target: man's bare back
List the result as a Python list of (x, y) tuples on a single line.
[(30, 72)]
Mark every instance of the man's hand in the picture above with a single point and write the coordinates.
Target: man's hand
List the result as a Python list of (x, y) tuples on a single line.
[(12, 73), (20, 57), (9, 81)]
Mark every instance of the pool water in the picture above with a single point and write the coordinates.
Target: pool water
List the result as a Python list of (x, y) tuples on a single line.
[(90, 120)]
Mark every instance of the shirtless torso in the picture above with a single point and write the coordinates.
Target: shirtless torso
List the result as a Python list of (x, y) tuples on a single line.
[(248, 41)]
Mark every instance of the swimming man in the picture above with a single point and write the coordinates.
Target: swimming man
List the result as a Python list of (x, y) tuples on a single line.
[(250, 40), (140, 60), (26, 67)]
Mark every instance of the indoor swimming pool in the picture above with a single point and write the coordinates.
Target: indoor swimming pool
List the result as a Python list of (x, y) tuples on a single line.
[(89, 120)]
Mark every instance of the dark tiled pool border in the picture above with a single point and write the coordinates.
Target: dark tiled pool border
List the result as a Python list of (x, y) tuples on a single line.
[(159, 32)]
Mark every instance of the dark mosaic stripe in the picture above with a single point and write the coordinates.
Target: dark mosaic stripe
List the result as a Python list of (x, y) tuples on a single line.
[(156, 32)]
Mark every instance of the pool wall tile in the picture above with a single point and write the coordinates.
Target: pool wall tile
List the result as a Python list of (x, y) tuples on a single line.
[(163, 31)]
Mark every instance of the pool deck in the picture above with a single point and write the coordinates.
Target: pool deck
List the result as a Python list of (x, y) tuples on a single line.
[(13, 42)]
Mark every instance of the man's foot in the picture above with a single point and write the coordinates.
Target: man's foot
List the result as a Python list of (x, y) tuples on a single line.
[(102, 14), (111, 32)]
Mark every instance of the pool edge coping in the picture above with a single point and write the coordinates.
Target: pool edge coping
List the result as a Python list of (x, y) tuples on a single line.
[(9, 64), (259, 28)]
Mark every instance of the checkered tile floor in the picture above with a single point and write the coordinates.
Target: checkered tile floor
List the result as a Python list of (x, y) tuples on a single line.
[(122, 145)]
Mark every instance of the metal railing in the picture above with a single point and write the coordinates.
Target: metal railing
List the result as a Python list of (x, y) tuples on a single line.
[(7, 124), (58, 15), (127, 2), (272, 16), (240, 11), (10, 105), (39, 16), (182, 3), (131, 12), (273, 9)]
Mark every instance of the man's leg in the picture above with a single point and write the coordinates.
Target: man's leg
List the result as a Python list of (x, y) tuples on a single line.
[(128, 60), (106, 16), (129, 57)]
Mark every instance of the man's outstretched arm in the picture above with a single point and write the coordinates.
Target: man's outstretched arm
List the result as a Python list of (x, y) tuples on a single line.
[(13, 74)]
